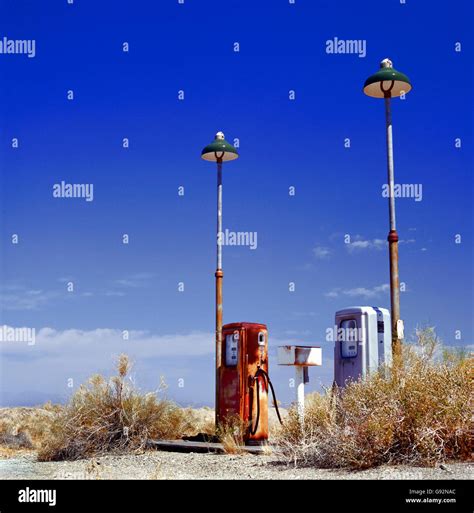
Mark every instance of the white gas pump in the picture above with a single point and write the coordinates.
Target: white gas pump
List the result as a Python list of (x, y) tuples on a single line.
[(363, 342)]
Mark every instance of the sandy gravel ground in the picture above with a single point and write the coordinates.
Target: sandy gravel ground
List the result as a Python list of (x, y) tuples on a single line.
[(170, 465), (21, 463)]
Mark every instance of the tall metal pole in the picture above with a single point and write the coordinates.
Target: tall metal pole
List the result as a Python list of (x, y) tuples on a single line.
[(219, 277), (392, 235)]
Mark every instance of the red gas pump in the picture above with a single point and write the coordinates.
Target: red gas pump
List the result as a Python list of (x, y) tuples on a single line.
[(243, 379)]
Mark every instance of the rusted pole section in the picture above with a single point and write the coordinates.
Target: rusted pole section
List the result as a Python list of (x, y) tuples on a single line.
[(219, 277), (392, 235)]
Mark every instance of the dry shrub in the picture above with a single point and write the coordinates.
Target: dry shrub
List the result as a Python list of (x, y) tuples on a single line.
[(230, 434), (26, 427), (111, 415), (201, 421), (11, 440), (419, 412)]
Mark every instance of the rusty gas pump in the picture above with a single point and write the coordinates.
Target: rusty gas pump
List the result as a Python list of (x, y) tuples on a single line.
[(244, 381)]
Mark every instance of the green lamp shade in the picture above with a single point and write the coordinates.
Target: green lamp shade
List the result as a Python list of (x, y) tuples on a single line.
[(387, 79), (219, 149)]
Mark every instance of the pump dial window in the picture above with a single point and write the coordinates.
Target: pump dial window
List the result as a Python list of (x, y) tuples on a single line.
[(231, 349), (348, 337)]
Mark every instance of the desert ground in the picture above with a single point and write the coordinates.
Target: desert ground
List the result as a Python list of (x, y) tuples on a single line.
[(168, 465), (18, 460)]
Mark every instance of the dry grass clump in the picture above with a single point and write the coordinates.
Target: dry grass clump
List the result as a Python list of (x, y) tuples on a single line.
[(111, 415), (24, 428), (201, 421), (11, 440), (419, 412), (230, 434)]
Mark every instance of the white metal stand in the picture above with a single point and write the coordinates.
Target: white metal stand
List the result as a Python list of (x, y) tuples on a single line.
[(299, 382), (300, 357)]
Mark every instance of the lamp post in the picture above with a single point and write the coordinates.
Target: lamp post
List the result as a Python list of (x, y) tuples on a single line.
[(219, 151), (388, 83)]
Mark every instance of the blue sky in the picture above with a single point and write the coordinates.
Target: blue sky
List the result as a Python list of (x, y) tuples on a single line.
[(283, 143)]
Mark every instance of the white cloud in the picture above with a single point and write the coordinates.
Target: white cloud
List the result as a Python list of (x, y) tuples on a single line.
[(360, 244), (15, 296), (87, 344), (65, 279), (297, 333), (364, 292), (322, 252), (359, 291), (21, 298), (135, 280), (32, 374)]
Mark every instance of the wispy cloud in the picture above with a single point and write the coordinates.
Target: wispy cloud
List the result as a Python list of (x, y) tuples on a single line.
[(322, 252), (136, 280), (40, 372), (360, 244), (359, 291), (303, 314), (297, 333), (17, 297), (65, 279)]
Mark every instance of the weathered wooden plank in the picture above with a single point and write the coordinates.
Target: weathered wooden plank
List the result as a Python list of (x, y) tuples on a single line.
[(191, 446)]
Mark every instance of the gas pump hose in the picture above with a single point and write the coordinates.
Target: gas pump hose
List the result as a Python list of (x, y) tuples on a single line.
[(266, 378)]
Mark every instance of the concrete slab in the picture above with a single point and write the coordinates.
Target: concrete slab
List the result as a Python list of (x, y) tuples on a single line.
[(192, 446)]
